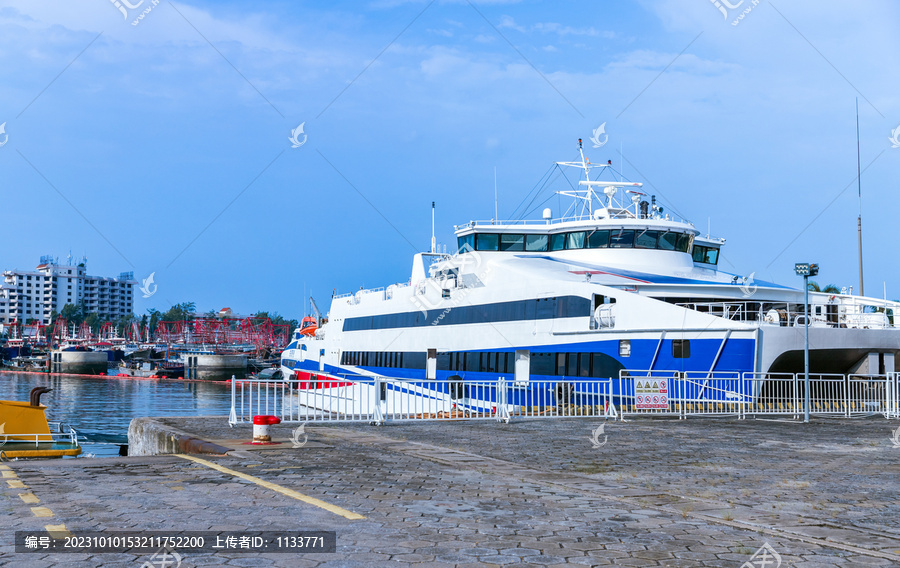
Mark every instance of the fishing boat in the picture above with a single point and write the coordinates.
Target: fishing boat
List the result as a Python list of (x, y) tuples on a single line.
[(26, 433), (613, 284)]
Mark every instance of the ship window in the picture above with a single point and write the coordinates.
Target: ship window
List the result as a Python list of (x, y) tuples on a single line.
[(624, 348), (667, 241), (466, 244), (598, 239), (571, 364), (541, 364), (560, 364), (681, 348), (512, 242), (558, 241), (487, 241), (584, 364), (706, 255), (535, 243), (646, 239), (621, 239), (575, 240)]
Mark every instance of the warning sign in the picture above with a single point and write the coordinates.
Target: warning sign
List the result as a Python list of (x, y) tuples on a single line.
[(651, 394)]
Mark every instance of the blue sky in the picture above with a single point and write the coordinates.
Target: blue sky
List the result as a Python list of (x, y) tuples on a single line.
[(163, 147)]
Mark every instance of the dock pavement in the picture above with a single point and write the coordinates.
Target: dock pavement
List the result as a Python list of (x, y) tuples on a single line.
[(542, 492)]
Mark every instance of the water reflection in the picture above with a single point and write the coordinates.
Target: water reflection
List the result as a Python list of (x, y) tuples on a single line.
[(101, 409)]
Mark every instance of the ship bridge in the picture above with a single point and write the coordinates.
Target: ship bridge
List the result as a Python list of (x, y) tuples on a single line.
[(614, 219)]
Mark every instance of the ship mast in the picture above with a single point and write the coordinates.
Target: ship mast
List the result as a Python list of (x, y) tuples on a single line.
[(859, 218)]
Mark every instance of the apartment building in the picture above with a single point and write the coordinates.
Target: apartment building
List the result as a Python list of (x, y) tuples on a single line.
[(33, 295)]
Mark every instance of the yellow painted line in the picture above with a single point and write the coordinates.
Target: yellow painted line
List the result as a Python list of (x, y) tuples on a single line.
[(41, 512), (29, 498), (8, 474), (58, 531), (15, 484), (4, 467), (278, 488)]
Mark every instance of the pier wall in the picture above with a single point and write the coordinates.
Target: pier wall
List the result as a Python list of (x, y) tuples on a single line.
[(147, 437), (79, 362), (214, 367)]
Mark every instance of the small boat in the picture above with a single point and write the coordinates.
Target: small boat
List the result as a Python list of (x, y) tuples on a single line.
[(26, 433)]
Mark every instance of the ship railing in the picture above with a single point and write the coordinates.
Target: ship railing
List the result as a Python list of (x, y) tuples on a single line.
[(59, 434), (695, 393), (617, 213), (378, 399), (792, 315)]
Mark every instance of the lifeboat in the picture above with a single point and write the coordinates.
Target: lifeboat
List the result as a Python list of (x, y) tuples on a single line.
[(308, 326)]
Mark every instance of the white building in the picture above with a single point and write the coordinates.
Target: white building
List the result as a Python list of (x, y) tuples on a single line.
[(26, 296)]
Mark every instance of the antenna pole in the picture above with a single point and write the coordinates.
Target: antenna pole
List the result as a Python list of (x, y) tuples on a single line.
[(432, 228), (859, 218), (587, 177), (496, 216)]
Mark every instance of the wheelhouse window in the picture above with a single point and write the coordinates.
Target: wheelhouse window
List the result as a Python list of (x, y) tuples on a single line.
[(646, 239), (668, 240), (558, 241), (575, 240), (706, 255), (621, 239), (487, 242), (536, 243), (597, 239), (512, 242), (466, 244)]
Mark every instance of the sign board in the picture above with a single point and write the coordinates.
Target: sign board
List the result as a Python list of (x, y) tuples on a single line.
[(651, 394)]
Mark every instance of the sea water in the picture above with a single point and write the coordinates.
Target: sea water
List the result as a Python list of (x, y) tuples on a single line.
[(100, 409)]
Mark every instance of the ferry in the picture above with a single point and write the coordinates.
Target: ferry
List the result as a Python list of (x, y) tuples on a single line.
[(615, 283)]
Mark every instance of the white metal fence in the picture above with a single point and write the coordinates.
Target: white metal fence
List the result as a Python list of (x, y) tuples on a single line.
[(742, 394), (379, 399), (325, 398)]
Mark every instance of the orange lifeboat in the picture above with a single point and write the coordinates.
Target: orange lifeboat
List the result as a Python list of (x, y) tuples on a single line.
[(308, 326)]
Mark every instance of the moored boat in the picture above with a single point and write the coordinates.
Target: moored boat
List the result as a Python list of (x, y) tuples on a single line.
[(613, 285)]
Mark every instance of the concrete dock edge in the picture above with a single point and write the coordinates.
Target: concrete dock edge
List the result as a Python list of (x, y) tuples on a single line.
[(147, 437)]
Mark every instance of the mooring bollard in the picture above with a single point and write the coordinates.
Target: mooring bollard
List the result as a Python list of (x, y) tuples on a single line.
[(261, 428)]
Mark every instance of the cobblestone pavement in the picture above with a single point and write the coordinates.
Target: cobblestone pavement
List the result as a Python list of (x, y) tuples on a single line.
[(701, 492)]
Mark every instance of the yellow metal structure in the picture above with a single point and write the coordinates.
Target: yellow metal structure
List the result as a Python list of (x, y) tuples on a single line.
[(18, 417), (25, 433)]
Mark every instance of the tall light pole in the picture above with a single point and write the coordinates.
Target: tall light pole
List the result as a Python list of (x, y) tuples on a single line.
[(806, 270)]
